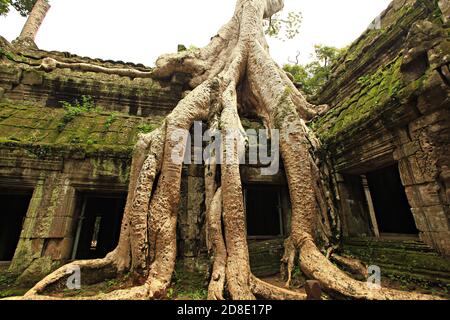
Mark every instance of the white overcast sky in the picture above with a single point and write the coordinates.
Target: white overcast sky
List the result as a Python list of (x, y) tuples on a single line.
[(140, 30)]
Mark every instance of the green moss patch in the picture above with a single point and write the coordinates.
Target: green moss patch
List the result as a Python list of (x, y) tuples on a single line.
[(188, 284), (377, 91), (406, 265), (46, 132)]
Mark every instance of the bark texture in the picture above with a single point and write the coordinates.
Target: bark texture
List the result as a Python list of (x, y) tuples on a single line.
[(33, 23), (234, 72)]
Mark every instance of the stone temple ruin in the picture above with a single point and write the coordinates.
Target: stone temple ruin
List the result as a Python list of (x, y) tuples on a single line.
[(64, 178)]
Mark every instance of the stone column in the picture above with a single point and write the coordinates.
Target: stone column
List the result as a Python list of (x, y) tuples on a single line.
[(46, 238), (424, 169), (353, 211)]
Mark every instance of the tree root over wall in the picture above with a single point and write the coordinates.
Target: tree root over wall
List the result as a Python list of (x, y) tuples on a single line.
[(233, 73)]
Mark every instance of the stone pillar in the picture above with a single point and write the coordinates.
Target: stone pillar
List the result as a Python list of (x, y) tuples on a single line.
[(191, 216), (46, 238), (373, 217), (195, 208), (353, 210), (424, 169)]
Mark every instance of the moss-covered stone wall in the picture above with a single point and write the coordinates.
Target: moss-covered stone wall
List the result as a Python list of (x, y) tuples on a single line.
[(389, 97), (47, 132), (22, 78)]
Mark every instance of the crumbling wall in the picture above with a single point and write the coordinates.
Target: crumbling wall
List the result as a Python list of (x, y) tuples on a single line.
[(22, 78), (390, 95)]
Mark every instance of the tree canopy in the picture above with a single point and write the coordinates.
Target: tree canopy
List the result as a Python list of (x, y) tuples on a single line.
[(313, 76), (4, 7), (283, 27), (24, 7)]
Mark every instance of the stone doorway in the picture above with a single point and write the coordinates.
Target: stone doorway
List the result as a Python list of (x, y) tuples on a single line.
[(263, 211), (99, 225), (388, 204), (13, 210)]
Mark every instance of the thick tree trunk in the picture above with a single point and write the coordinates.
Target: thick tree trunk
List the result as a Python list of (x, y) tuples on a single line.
[(33, 23), (234, 72)]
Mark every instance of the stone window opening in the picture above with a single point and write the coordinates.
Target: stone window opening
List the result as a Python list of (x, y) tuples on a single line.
[(264, 211), (98, 224), (13, 212), (389, 209)]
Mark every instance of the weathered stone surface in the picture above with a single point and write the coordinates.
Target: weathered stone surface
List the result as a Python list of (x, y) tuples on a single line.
[(27, 251), (429, 194), (438, 240), (435, 94), (38, 269), (438, 219), (265, 256), (420, 219), (195, 215), (444, 5), (431, 219), (139, 96), (391, 255), (9, 76), (48, 135), (393, 108), (58, 249), (32, 78), (442, 241)]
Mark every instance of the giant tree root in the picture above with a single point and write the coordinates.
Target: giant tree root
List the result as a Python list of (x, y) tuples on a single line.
[(93, 266), (233, 73), (316, 266), (217, 284), (352, 265), (50, 64)]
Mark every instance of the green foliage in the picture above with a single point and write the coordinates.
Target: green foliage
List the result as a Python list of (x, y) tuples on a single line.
[(24, 7), (145, 128), (193, 48), (283, 28), (6, 54), (11, 56), (111, 119), (40, 151), (4, 7), (170, 293), (8, 286), (300, 74), (7, 279), (113, 283), (74, 110), (297, 272), (12, 293), (314, 75), (200, 294), (364, 80), (190, 285)]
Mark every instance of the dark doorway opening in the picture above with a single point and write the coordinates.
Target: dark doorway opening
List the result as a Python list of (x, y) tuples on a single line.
[(263, 211), (392, 210), (13, 210), (99, 225)]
